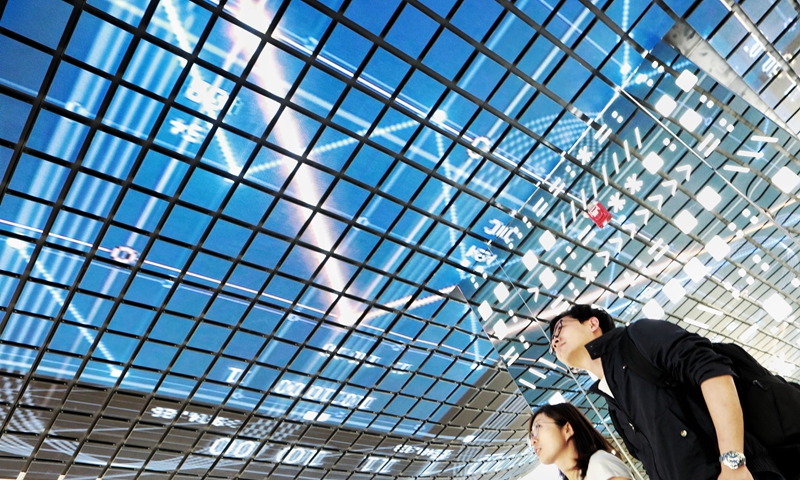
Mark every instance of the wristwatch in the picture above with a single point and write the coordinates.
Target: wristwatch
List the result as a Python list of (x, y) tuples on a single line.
[(733, 459)]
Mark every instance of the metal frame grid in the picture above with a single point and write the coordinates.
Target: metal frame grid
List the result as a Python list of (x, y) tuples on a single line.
[(263, 275)]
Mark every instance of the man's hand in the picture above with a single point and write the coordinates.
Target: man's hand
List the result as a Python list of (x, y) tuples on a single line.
[(741, 473)]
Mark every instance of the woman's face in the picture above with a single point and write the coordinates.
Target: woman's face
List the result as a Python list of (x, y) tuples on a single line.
[(548, 439)]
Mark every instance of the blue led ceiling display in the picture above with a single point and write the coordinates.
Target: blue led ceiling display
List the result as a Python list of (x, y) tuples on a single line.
[(232, 233)]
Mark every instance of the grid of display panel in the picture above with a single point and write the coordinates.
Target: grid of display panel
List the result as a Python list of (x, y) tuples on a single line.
[(726, 268), (759, 40), (236, 232)]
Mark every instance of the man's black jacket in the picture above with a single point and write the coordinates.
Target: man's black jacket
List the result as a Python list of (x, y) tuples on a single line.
[(668, 429)]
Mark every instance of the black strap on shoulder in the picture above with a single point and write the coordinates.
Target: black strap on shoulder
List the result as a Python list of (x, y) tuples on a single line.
[(636, 361)]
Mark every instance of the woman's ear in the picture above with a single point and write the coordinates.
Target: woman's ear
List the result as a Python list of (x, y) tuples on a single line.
[(567, 431)]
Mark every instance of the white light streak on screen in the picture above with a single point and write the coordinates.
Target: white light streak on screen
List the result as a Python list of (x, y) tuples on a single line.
[(290, 136)]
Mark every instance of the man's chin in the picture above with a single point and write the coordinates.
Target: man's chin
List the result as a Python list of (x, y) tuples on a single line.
[(564, 360)]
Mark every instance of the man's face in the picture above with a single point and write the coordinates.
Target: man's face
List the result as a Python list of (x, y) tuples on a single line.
[(570, 336)]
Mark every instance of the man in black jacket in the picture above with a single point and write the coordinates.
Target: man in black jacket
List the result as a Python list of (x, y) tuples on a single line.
[(692, 431)]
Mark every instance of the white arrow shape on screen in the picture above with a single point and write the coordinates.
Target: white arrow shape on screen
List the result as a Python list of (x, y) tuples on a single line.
[(687, 169), (643, 212), (606, 256), (659, 199), (618, 241), (671, 183), (630, 228), (535, 292)]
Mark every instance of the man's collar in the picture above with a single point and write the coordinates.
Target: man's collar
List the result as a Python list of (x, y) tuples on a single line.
[(602, 344), (595, 388)]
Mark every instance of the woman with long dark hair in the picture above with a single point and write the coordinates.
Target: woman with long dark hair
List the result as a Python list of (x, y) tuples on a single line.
[(560, 434)]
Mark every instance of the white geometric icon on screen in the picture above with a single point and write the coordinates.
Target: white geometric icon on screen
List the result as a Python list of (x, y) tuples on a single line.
[(616, 202), (537, 373), (500, 329), (708, 198), (777, 307), (786, 180), (718, 248), (501, 292), (653, 310), (125, 254), (690, 120), (585, 155), (686, 169), (686, 81), (540, 207), (633, 184), (481, 143), (760, 138), (530, 260), (557, 398), (547, 240), (652, 162), (485, 310), (665, 105), (548, 278), (18, 244), (674, 291), (695, 269), (750, 154), (685, 221)]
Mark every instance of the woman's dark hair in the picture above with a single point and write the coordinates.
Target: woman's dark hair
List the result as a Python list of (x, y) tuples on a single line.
[(586, 438), (582, 313)]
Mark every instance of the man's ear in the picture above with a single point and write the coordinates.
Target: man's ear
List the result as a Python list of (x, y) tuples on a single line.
[(594, 322)]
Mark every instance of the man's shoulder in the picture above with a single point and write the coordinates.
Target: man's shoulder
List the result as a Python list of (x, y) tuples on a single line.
[(650, 327)]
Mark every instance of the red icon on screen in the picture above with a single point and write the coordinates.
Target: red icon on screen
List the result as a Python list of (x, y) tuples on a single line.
[(599, 214)]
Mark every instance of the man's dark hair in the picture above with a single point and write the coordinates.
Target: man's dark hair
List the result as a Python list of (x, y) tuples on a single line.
[(586, 438), (582, 313)]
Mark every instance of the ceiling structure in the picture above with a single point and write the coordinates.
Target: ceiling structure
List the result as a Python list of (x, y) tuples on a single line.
[(317, 239)]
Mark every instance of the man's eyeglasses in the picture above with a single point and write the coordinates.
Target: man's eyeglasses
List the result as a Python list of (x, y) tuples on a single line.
[(556, 332)]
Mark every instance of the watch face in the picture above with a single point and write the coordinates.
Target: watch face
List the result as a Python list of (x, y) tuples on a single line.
[(733, 460)]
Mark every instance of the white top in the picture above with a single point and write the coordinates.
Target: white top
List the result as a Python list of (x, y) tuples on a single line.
[(603, 465), (603, 386)]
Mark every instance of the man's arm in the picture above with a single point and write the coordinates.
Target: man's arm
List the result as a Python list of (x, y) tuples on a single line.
[(726, 413)]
